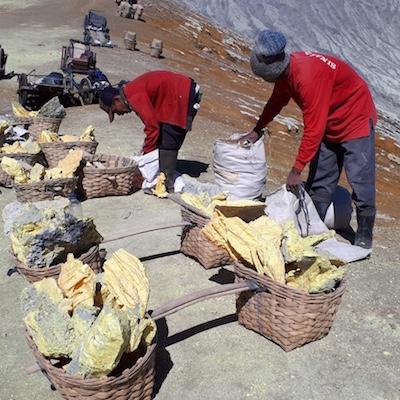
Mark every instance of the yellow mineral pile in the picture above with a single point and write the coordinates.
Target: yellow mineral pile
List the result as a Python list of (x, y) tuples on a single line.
[(89, 328), (20, 112), (160, 189), (29, 147), (22, 173), (4, 124), (207, 203), (52, 137), (274, 250), (42, 234)]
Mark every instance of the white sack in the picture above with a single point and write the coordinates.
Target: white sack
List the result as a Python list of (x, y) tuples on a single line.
[(149, 168), (240, 170), (282, 206)]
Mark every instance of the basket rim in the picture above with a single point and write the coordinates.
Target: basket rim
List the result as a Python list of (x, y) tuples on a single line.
[(47, 182), (267, 282), (126, 375), (82, 257), (12, 155), (116, 170), (67, 144), (18, 120), (44, 118)]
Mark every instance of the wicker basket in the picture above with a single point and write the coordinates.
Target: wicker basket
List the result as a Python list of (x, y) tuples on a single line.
[(135, 382), (44, 190), (120, 177), (287, 316), (31, 159), (54, 152), (195, 244), (22, 122), (93, 257), (39, 124)]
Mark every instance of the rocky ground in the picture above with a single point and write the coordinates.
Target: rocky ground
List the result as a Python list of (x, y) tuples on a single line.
[(204, 353)]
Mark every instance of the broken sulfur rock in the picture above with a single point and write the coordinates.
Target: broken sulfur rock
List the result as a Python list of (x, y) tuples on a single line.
[(77, 282), (125, 283), (103, 345)]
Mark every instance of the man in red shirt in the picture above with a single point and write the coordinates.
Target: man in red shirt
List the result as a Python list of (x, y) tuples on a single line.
[(339, 118), (167, 103)]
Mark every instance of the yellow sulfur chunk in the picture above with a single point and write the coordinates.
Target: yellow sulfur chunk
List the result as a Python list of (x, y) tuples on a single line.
[(36, 173), (87, 135), (256, 243), (19, 111), (77, 281), (30, 147), (54, 173), (125, 283), (49, 287), (70, 163), (295, 248), (69, 138), (3, 126), (52, 331), (11, 148), (317, 276), (197, 201), (143, 331), (160, 189), (26, 147), (14, 169), (245, 209), (215, 231), (104, 344), (47, 137)]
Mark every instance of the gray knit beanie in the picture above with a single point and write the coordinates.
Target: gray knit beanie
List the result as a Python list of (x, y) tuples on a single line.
[(268, 58)]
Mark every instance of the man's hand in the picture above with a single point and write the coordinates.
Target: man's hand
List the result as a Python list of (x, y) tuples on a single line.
[(251, 137), (293, 181)]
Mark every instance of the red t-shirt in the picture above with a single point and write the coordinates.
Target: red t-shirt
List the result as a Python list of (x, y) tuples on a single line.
[(159, 97), (336, 102)]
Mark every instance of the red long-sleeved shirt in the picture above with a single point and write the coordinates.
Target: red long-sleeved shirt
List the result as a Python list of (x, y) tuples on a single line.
[(336, 102), (159, 97)]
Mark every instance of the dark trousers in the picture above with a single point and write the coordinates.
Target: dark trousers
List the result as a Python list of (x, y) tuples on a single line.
[(358, 159), (171, 136)]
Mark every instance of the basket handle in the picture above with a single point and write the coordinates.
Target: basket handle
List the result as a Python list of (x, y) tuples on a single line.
[(192, 298), (112, 180), (145, 230)]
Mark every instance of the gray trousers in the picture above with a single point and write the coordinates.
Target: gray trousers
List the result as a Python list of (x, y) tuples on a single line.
[(358, 159)]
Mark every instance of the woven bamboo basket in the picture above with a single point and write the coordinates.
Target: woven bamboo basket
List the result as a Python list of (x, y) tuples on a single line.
[(31, 159), (54, 152), (93, 257), (195, 244), (22, 122), (285, 315), (44, 190), (119, 177), (135, 382), (39, 124)]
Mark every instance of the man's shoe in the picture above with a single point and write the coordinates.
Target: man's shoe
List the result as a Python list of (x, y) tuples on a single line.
[(364, 232)]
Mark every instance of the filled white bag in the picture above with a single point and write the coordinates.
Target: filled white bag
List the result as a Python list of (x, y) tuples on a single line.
[(282, 206), (149, 168), (239, 169)]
